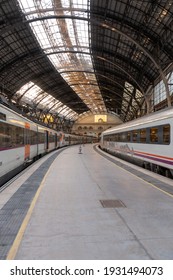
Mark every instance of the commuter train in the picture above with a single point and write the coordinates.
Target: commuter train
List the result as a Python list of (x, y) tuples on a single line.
[(23, 141), (146, 141)]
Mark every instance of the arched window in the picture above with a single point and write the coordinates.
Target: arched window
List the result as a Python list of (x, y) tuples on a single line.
[(100, 120)]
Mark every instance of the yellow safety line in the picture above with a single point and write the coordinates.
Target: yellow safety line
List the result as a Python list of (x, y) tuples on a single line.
[(14, 248), (165, 192), (141, 178)]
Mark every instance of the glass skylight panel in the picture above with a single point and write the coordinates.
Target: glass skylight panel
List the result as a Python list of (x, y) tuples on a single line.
[(159, 89), (33, 94), (65, 41), (25, 88), (28, 5), (40, 97), (46, 100)]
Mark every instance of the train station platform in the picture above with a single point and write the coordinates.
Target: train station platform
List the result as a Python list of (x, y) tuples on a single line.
[(86, 206)]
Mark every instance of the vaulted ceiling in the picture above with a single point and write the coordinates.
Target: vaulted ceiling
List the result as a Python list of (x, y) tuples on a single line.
[(89, 56)]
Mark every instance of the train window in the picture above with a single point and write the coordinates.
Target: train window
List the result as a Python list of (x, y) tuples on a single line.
[(51, 138), (166, 134), (33, 137), (5, 138), (154, 135), (2, 116), (19, 136), (11, 136), (41, 137), (143, 135), (124, 137), (119, 137), (115, 137), (134, 135), (128, 136), (56, 139)]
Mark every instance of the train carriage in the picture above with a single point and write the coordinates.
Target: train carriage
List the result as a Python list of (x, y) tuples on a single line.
[(23, 141), (147, 141)]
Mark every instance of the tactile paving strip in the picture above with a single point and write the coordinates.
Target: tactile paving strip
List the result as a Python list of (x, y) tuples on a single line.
[(14, 211)]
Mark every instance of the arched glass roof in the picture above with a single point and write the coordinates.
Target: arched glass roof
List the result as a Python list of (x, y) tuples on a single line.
[(66, 43), (87, 55)]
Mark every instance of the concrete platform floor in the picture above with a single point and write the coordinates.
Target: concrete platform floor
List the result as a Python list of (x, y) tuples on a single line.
[(69, 221)]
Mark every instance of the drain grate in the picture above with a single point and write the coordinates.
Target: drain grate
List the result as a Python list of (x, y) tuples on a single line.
[(110, 203)]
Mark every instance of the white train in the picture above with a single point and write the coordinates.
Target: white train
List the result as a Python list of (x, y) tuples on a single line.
[(23, 141), (146, 141)]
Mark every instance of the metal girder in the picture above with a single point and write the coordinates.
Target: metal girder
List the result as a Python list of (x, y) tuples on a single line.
[(115, 82), (135, 82), (137, 29), (114, 29), (103, 25), (135, 66), (31, 56), (124, 71), (124, 59), (116, 94)]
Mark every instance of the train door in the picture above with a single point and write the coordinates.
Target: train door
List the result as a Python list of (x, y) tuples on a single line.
[(56, 140), (27, 142), (47, 140), (37, 141), (61, 139)]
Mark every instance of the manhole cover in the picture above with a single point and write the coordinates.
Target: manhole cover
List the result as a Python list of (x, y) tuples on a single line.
[(110, 203)]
